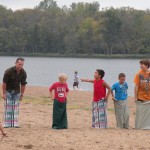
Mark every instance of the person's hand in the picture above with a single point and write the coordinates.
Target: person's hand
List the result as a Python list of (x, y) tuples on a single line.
[(21, 96), (52, 97), (4, 134), (135, 99), (106, 98), (113, 98), (4, 97), (82, 80)]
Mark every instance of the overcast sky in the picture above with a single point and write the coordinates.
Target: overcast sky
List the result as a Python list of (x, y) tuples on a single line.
[(20, 4)]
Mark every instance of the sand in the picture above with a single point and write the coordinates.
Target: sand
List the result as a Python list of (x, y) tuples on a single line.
[(36, 120)]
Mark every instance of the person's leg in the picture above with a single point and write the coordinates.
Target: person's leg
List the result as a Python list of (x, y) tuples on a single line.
[(77, 85), (126, 116), (102, 108), (16, 101), (119, 113), (59, 115), (99, 114), (95, 115), (64, 123), (73, 85), (2, 130), (142, 117), (8, 110)]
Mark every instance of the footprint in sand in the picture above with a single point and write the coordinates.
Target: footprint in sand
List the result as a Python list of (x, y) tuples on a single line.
[(29, 146)]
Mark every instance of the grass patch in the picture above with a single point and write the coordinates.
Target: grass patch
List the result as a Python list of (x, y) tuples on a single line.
[(72, 107), (86, 109), (37, 100), (111, 109)]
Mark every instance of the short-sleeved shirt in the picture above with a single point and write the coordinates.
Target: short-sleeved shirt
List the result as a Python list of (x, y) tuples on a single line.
[(142, 79), (60, 91), (76, 78), (99, 90), (13, 80), (120, 91)]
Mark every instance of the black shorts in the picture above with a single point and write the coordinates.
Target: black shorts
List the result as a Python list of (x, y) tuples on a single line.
[(75, 83)]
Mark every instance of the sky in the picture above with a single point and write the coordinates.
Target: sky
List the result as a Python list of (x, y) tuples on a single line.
[(21, 4)]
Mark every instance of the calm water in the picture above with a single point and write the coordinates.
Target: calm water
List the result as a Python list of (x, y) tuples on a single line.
[(43, 71)]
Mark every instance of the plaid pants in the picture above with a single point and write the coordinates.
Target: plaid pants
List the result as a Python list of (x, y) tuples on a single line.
[(11, 106), (99, 114)]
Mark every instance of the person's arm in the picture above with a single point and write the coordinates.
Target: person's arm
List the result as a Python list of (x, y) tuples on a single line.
[(67, 90), (23, 85), (51, 92), (51, 95), (126, 85), (22, 91), (113, 97), (109, 90), (113, 88), (5, 80), (4, 91), (87, 80), (67, 93), (136, 87), (2, 130), (136, 92)]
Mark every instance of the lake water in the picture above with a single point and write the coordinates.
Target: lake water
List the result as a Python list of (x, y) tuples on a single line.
[(43, 71)]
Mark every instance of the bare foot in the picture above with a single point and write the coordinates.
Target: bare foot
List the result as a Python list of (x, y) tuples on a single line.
[(3, 135)]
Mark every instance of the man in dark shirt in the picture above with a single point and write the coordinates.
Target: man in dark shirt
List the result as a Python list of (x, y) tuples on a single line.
[(14, 82)]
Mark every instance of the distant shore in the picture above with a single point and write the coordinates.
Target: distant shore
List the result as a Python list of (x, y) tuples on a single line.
[(109, 56)]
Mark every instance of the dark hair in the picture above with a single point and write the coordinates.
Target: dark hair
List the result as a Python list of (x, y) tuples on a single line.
[(20, 58), (121, 75), (100, 72), (146, 62)]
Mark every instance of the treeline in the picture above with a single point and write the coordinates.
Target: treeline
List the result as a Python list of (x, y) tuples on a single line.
[(80, 29)]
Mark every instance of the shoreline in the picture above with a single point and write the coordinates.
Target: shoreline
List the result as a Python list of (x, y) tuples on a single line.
[(96, 56), (43, 91)]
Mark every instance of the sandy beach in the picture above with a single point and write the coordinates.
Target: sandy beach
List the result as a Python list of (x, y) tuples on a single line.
[(36, 119)]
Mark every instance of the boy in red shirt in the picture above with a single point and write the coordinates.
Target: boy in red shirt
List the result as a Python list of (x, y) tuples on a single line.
[(99, 104), (59, 96)]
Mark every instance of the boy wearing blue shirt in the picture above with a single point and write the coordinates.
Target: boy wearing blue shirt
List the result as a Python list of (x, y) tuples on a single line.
[(121, 102)]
